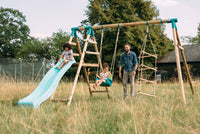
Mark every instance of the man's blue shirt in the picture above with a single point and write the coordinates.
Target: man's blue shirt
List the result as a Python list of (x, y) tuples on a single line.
[(130, 61)]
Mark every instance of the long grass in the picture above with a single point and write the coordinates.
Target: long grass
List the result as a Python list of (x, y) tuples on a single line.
[(163, 114)]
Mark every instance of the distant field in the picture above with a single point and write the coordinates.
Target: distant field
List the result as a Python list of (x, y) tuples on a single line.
[(97, 114)]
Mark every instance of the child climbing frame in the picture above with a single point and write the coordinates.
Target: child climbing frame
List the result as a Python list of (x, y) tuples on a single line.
[(144, 71)]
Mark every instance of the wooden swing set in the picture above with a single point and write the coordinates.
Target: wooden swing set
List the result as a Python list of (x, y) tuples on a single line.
[(90, 39)]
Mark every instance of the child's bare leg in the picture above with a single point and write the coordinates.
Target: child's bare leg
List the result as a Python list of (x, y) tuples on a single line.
[(61, 65), (95, 85), (103, 80), (64, 62), (99, 83)]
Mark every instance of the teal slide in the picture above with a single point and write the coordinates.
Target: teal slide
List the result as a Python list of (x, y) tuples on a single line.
[(46, 87)]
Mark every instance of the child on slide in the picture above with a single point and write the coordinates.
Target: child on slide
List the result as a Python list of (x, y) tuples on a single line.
[(103, 76), (67, 55)]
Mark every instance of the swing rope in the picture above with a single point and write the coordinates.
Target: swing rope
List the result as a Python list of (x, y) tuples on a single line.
[(112, 70), (114, 54), (100, 55)]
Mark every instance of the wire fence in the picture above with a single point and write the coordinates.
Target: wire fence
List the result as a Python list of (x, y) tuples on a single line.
[(24, 70)]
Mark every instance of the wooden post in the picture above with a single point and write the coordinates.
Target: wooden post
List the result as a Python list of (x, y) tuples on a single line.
[(151, 95), (84, 68), (185, 63), (70, 39), (78, 71), (178, 65), (127, 24)]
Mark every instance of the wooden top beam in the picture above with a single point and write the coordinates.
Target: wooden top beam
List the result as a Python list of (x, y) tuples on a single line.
[(127, 24)]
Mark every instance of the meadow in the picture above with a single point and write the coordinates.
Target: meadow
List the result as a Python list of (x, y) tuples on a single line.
[(142, 114)]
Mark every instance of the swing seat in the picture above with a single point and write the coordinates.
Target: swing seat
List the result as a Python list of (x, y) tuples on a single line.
[(108, 82)]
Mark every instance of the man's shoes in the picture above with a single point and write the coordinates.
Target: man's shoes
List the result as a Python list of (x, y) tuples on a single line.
[(125, 98)]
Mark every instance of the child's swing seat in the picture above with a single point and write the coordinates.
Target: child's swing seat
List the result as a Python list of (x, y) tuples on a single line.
[(108, 82)]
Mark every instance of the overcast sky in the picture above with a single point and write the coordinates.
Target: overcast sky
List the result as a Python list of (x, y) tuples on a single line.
[(47, 16)]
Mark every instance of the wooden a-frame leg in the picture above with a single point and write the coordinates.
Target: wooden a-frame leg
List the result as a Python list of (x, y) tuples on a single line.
[(70, 39), (178, 66), (185, 63), (78, 71), (84, 68)]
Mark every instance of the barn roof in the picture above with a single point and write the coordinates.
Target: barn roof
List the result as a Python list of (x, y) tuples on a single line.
[(192, 54)]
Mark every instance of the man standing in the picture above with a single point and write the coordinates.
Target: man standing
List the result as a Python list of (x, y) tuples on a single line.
[(130, 59)]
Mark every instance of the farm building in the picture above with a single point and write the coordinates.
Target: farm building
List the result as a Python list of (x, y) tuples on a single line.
[(167, 64)]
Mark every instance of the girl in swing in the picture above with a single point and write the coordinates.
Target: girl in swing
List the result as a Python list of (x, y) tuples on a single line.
[(103, 76), (67, 53)]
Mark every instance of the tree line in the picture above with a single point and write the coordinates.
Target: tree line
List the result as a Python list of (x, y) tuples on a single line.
[(16, 42)]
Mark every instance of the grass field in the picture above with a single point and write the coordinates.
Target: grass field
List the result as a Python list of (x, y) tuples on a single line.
[(97, 114)]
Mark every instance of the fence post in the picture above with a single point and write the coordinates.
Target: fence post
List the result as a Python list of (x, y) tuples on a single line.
[(43, 63), (0, 70), (33, 71), (20, 69), (15, 72)]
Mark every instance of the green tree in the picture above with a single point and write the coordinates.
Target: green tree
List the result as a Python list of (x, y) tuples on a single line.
[(35, 49), (119, 11), (58, 39), (48, 48), (193, 40), (13, 32)]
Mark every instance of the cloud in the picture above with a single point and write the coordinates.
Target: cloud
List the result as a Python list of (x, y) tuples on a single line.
[(166, 3)]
